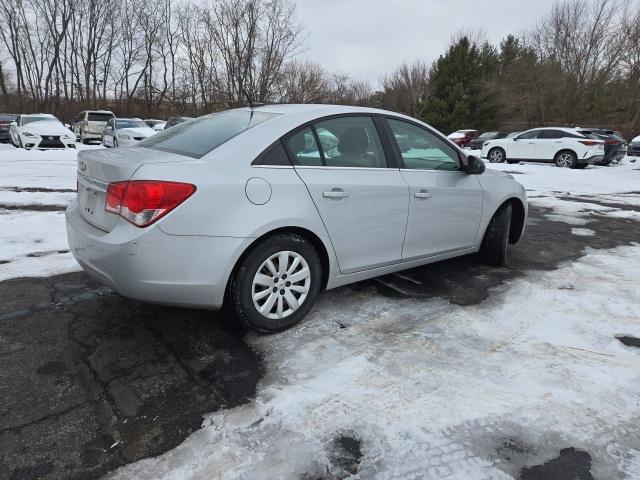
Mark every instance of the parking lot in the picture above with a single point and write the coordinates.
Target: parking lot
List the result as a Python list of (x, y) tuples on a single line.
[(453, 370)]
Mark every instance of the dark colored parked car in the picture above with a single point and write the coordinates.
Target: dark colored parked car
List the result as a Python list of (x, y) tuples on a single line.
[(463, 137), (634, 147), (175, 121), (5, 122), (476, 143), (615, 146)]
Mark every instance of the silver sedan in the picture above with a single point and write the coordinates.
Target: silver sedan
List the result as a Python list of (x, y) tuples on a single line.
[(262, 208)]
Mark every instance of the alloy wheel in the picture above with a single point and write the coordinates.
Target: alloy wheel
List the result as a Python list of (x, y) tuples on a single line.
[(496, 156), (565, 160), (281, 284)]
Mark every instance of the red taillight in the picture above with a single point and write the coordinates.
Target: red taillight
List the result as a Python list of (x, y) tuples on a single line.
[(143, 202), (613, 142), (590, 143)]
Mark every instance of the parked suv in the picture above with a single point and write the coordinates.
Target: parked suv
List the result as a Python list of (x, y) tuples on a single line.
[(5, 124), (615, 146), (566, 147), (90, 124)]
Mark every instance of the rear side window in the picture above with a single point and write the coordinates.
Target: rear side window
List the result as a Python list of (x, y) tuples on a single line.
[(304, 148), (200, 136), (550, 134), (99, 117)]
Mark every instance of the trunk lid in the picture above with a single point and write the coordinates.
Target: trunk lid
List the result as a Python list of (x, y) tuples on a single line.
[(98, 168)]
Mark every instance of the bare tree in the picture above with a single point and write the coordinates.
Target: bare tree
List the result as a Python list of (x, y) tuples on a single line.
[(406, 89)]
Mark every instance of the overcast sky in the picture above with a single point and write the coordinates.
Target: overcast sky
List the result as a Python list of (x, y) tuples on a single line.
[(367, 38)]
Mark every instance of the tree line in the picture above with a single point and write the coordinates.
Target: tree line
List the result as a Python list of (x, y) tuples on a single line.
[(580, 64)]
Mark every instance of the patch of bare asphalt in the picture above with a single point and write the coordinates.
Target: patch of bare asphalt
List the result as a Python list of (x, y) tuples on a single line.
[(90, 381)]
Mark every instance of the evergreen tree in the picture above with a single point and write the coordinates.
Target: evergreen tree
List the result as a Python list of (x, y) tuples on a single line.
[(463, 93)]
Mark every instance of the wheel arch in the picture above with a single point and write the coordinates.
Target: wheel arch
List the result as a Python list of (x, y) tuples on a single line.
[(307, 234), (518, 216), (570, 150)]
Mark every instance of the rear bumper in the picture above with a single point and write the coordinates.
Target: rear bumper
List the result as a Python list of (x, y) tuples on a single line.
[(152, 266)]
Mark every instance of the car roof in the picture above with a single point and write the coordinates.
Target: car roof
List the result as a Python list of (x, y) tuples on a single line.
[(99, 111), (37, 115)]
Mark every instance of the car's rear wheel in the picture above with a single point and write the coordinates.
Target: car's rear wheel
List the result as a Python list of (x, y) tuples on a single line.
[(493, 250), (566, 159), (276, 284), (496, 155)]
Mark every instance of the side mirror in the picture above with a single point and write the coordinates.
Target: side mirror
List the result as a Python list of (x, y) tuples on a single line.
[(515, 138), (475, 165)]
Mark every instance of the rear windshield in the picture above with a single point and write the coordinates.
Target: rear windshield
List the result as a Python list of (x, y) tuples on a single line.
[(7, 118), (99, 117), (124, 123), (198, 137)]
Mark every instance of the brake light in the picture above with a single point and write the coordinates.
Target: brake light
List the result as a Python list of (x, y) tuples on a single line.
[(143, 202), (590, 143), (613, 142)]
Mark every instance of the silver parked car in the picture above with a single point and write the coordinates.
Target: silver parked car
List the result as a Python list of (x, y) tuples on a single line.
[(263, 208)]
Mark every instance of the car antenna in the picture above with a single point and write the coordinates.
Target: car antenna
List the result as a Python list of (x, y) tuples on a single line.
[(252, 104)]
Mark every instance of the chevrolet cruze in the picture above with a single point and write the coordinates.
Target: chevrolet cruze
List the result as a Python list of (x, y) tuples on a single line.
[(262, 208)]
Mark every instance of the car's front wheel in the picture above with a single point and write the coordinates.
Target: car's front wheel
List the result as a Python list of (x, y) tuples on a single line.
[(276, 284), (496, 155), (493, 250)]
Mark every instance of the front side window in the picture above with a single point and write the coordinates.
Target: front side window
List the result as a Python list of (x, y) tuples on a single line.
[(351, 142), (304, 148), (421, 149), (200, 136)]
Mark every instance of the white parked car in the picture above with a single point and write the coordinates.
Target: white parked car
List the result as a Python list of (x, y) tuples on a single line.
[(566, 147), (41, 131), (125, 132), (264, 208)]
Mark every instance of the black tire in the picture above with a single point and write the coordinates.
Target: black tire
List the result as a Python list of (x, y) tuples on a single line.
[(511, 162), (581, 165), (496, 155), (565, 159), (240, 292), (493, 250)]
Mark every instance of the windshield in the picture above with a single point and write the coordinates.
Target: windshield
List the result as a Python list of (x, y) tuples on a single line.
[(198, 137), (126, 123), (27, 120), (7, 118), (99, 117)]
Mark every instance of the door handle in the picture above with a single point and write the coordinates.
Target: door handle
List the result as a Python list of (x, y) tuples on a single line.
[(423, 194), (335, 193)]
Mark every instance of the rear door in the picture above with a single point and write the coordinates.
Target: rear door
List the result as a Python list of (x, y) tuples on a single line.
[(361, 200), (548, 143), (445, 203)]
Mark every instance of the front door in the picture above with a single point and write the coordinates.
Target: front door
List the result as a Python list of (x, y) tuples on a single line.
[(361, 201), (524, 146), (445, 203)]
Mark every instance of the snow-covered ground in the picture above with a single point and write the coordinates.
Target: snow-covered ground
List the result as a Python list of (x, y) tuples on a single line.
[(428, 388), (35, 187)]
